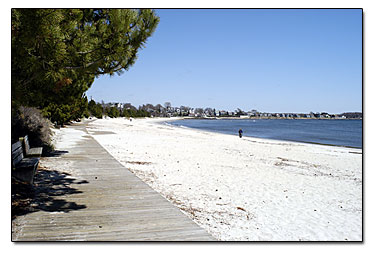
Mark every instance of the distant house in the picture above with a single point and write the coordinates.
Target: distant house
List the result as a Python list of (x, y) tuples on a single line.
[(253, 113), (324, 115)]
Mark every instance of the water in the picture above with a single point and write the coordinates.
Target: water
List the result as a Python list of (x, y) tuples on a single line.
[(331, 132)]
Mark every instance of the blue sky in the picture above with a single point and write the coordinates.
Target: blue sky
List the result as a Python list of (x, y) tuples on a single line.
[(270, 60)]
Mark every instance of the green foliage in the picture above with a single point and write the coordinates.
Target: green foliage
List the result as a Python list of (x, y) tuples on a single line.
[(133, 113), (57, 53), (62, 113), (113, 112), (127, 113), (95, 109), (143, 113), (57, 113)]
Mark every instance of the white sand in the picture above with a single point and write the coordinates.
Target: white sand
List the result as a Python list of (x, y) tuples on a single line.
[(244, 189), (66, 137)]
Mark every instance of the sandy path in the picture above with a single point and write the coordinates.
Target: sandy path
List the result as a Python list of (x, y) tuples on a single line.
[(244, 189)]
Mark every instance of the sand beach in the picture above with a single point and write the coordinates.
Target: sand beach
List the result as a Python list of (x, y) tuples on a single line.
[(243, 189), (247, 189)]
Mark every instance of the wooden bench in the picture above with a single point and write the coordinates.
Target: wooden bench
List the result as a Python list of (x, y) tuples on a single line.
[(23, 168), (30, 152)]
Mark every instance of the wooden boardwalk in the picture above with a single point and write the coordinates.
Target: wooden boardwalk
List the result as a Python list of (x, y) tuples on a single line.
[(86, 195)]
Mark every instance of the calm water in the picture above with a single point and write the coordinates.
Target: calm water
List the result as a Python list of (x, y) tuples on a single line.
[(332, 132)]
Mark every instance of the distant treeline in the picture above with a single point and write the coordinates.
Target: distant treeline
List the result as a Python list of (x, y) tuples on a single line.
[(167, 110), (99, 110), (352, 115)]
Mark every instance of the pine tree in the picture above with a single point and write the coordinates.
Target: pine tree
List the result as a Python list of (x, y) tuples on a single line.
[(57, 53)]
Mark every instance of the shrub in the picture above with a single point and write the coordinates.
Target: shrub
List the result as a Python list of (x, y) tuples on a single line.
[(95, 109), (29, 121), (113, 112), (64, 113)]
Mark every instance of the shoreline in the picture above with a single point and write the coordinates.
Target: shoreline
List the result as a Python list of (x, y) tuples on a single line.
[(273, 118), (211, 131)]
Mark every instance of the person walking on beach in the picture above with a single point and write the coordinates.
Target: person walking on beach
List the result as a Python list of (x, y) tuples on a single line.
[(240, 133)]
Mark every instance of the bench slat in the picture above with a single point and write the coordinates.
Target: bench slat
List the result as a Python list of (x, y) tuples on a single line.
[(16, 145), (23, 168), (36, 152), (17, 153), (28, 162), (17, 159)]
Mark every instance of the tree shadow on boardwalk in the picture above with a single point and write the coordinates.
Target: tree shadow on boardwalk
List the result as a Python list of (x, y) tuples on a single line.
[(55, 153), (48, 186)]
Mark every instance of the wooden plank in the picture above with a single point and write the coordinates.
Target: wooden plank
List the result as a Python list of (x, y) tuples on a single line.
[(31, 152), (35, 151), (97, 233), (28, 163), (111, 203), (27, 144), (16, 145), (17, 153)]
